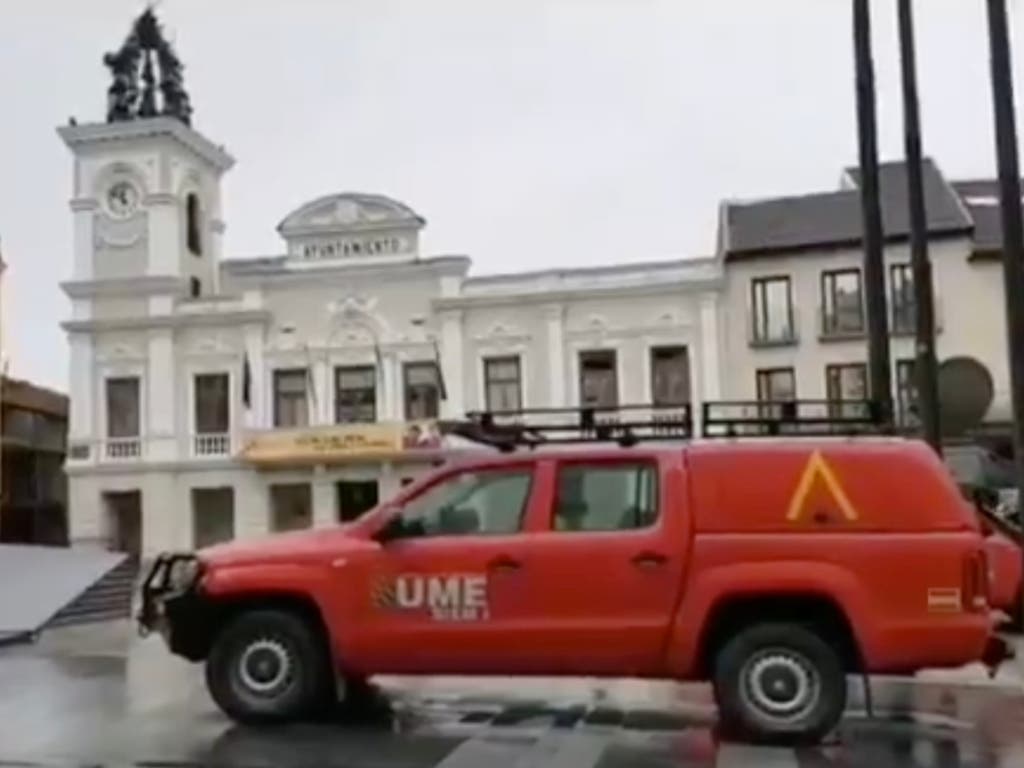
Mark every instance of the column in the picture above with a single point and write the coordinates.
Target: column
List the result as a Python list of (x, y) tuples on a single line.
[(324, 392), (389, 482), (711, 373), (84, 248), (252, 506), (159, 431), (451, 362), (555, 317), (165, 522), (256, 417), (324, 499), (392, 400)]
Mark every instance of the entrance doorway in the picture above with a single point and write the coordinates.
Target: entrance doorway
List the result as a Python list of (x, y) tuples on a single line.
[(355, 498), (124, 521)]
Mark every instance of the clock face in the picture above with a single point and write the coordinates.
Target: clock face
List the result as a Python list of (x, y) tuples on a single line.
[(122, 199)]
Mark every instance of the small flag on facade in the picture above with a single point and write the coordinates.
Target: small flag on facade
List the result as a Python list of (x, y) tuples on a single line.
[(246, 382), (442, 390)]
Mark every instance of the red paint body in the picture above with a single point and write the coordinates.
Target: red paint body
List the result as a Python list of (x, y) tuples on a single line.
[(579, 603)]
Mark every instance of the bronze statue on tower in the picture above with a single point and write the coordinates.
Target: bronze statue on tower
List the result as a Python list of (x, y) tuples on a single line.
[(144, 51)]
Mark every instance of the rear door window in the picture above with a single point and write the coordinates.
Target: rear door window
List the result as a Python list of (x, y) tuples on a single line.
[(605, 497)]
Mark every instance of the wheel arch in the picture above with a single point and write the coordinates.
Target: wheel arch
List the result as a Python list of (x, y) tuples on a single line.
[(818, 611), (195, 638)]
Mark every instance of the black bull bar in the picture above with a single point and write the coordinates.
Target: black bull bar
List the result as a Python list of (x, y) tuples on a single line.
[(157, 584)]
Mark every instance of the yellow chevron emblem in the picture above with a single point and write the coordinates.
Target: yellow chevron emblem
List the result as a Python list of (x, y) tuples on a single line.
[(817, 467)]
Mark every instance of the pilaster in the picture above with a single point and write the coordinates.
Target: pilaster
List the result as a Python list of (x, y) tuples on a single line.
[(323, 499), (161, 401), (451, 362), (554, 316)]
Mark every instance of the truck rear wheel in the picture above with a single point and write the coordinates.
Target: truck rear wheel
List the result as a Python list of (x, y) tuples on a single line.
[(268, 666), (779, 682)]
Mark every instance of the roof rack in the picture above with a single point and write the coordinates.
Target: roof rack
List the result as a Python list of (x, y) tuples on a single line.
[(628, 425)]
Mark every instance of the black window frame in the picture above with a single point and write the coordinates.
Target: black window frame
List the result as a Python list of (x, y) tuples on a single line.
[(906, 392), (903, 303), (276, 378), (616, 384), (136, 383), (829, 319), (489, 379), (652, 361), (411, 390), (839, 406), (367, 393), (225, 378), (760, 325)]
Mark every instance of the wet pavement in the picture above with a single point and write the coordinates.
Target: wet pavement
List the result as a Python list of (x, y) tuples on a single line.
[(99, 697)]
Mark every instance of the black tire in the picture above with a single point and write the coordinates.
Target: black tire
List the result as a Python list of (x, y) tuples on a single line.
[(243, 670), (808, 684)]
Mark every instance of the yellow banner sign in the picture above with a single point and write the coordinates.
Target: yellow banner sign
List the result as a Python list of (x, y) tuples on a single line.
[(317, 445)]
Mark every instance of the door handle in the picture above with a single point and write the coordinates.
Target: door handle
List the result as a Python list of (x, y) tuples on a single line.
[(504, 563), (649, 560)]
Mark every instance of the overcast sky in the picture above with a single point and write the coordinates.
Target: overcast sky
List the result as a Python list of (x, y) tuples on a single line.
[(529, 133)]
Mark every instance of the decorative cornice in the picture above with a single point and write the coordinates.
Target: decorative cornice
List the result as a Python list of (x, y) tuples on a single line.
[(237, 317), (540, 296), (133, 286), (96, 134), (276, 270)]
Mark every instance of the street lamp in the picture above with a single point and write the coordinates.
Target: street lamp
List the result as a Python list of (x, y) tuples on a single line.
[(1013, 227), (874, 265), (926, 365)]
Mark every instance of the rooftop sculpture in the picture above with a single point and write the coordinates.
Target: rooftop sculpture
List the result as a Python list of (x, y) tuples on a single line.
[(144, 53)]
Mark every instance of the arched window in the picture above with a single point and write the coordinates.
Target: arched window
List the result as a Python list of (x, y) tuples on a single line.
[(195, 287), (193, 234)]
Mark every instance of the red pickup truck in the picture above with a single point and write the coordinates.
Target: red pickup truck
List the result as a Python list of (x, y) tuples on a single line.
[(771, 568)]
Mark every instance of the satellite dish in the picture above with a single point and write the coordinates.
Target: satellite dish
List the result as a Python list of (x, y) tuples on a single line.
[(965, 394)]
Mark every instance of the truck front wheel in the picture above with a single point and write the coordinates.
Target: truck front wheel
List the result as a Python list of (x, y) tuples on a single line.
[(268, 666), (779, 682)]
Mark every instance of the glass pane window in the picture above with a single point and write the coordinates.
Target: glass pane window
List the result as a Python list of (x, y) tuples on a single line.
[(422, 391), (468, 503), (355, 395), (842, 302), (291, 407), (772, 303), (123, 407), (599, 384), (212, 403), (904, 305), (670, 375), (503, 384), (845, 382), (606, 497)]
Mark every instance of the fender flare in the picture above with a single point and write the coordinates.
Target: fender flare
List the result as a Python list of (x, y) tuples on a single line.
[(775, 579)]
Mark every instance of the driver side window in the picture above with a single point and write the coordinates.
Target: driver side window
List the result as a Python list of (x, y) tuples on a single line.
[(470, 503)]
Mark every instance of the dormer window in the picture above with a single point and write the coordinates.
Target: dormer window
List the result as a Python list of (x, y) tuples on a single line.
[(193, 229)]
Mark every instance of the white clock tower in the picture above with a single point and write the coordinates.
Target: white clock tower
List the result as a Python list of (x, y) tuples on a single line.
[(146, 203)]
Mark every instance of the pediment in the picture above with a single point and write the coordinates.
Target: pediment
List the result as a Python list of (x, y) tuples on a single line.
[(349, 211)]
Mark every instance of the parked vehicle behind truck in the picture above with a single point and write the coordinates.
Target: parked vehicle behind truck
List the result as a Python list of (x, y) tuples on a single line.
[(772, 568)]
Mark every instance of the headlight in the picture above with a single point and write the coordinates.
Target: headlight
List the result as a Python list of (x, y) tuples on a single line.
[(183, 574)]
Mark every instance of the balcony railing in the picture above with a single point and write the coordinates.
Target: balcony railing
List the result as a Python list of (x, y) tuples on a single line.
[(123, 448), (211, 444)]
